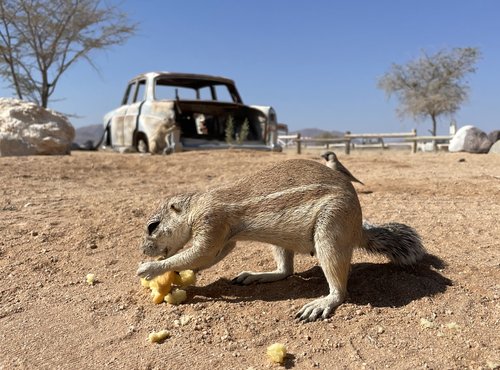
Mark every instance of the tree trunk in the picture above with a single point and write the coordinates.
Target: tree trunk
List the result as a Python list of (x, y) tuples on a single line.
[(44, 101), (433, 132), (44, 93), (434, 125)]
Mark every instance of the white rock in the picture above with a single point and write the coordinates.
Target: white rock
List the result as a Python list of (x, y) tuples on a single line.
[(495, 148), (470, 139), (27, 129)]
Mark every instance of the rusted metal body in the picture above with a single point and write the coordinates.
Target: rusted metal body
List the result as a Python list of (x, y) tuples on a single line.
[(170, 112)]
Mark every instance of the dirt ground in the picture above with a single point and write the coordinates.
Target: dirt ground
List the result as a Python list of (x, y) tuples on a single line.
[(64, 217)]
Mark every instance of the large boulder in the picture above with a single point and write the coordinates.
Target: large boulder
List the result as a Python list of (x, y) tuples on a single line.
[(27, 129), (494, 136), (470, 139), (495, 148)]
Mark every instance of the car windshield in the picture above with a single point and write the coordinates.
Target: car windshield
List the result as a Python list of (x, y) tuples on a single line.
[(184, 89)]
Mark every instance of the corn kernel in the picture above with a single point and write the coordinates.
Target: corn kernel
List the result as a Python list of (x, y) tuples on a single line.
[(90, 279), (276, 352), (158, 336), (176, 297), (187, 277)]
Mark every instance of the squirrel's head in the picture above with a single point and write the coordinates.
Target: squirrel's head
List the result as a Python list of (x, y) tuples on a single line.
[(168, 229)]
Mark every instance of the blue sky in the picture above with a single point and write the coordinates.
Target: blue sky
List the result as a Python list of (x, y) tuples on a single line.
[(317, 62)]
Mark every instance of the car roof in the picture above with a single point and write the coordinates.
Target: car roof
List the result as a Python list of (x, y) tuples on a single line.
[(187, 79)]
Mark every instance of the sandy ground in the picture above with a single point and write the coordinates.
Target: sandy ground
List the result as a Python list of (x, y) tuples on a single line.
[(64, 217)]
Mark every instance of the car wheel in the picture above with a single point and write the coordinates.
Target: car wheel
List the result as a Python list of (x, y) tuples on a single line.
[(142, 144)]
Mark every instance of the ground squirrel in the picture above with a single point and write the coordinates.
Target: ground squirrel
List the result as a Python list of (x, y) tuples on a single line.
[(297, 206)]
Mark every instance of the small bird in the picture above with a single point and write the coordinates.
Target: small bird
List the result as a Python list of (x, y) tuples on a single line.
[(333, 162)]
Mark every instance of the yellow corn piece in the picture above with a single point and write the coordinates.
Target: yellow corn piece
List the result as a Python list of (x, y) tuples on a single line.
[(90, 278), (158, 336), (176, 297), (157, 296), (177, 279), (163, 283), (187, 277), (145, 282), (276, 352)]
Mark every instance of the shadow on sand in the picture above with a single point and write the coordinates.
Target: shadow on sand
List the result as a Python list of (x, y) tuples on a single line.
[(377, 284)]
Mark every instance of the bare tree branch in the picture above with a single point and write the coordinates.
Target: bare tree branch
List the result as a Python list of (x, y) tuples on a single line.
[(41, 39)]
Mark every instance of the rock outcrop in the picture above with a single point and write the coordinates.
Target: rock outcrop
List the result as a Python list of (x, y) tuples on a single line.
[(28, 129), (494, 136), (470, 139)]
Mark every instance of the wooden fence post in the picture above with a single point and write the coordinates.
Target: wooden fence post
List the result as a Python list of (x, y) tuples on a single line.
[(414, 145), (299, 149), (348, 143)]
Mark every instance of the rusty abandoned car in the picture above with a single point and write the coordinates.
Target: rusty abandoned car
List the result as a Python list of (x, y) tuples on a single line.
[(170, 112)]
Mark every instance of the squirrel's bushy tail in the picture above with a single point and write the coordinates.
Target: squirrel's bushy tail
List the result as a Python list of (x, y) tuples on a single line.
[(400, 243)]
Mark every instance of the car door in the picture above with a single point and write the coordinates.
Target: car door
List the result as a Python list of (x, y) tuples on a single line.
[(132, 113), (117, 121)]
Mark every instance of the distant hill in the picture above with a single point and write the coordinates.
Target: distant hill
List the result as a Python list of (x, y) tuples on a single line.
[(85, 133), (94, 132), (315, 132)]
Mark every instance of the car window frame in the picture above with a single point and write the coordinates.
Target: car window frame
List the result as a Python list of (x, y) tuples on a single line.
[(126, 96), (138, 83)]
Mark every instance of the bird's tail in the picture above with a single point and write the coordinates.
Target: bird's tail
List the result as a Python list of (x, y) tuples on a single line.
[(400, 243)]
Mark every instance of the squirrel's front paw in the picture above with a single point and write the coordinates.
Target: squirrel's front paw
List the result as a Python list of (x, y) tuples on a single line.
[(149, 270)]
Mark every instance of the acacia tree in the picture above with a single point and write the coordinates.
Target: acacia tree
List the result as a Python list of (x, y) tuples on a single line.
[(432, 85), (41, 39)]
